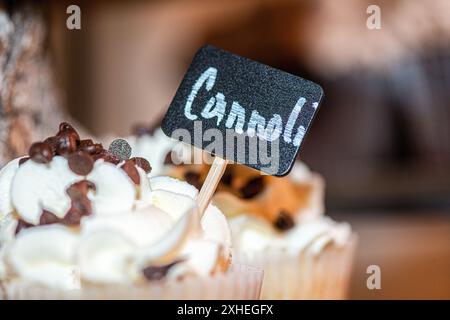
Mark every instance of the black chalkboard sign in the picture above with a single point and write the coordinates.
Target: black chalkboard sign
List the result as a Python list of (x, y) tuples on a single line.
[(242, 110)]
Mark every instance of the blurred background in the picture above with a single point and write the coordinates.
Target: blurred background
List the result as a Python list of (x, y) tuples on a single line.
[(381, 138)]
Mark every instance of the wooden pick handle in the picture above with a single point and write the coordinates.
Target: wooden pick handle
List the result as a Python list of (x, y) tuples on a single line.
[(209, 186)]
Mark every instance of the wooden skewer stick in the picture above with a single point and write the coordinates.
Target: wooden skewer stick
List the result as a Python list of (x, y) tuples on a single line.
[(209, 186)]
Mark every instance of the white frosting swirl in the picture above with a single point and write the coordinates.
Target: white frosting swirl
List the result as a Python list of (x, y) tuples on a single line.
[(131, 227), (156, 147), (253, 235)]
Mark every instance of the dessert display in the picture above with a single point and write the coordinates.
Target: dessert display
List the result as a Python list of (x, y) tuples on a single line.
[(277, 224), (79, 221)]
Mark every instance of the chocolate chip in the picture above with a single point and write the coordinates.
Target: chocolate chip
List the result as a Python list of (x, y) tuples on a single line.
[(66, 143), (106, 156), (53, 143), (80, 203), (193, 178), (88, 146), (130, 168), (120, 148), (48, 217), (227, 177), (80, 207), (168, 158), (80, 189), (80, 162), (142, 163), (154, 273), (40, 152), (64, 127), (23, 160), (284, 221), (21, 224), (252, 188)]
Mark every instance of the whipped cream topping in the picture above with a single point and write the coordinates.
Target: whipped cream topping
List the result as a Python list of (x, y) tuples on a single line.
[(310, 233), (129, 228), (154, 148), (163, 152), (255, 235)]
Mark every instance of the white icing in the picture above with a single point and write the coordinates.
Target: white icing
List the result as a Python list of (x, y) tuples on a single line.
[(37, 186), (124, 234), (45, 255), (251, 234), (115, 192), (6, 175)]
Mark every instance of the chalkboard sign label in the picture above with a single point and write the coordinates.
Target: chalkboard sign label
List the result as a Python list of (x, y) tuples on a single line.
[(242, 110)]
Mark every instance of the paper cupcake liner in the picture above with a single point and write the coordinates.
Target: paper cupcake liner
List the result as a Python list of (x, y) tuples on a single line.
[(239, 283), (305, 276)]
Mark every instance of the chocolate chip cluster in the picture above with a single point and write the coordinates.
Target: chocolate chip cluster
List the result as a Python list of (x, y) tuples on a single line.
[(80, 155)]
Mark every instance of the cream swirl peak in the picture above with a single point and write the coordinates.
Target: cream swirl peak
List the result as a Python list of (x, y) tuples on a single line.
[(72, 214)]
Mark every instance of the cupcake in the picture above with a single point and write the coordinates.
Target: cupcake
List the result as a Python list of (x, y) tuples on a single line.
[(278, 224), (82, 222)]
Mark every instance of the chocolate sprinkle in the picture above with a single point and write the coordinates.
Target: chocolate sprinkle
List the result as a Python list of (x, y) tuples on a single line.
[(252, 188), (154, 273), (66, 142), (66, 128), (41, 152), (142, 163), (80, 163), (130, 168), (284, 221), (120, 148)]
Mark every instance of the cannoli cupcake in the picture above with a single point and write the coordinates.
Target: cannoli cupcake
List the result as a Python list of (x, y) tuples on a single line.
[(278, 224), (82, 222)]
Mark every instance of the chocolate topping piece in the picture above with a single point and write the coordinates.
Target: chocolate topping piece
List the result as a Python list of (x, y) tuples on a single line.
[(168, 158), (80, 189), (53, 143), (64, 127), (130, 168), (154, 273), (227, 177), (120, 148), (142, 163), (40, 152), (21, 224), (48, 217), (81, 206), (106, 156), (66, 143), (88, 146), (193, 178), (23, 160), (284, 221), (80, 162), (252, 188)]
